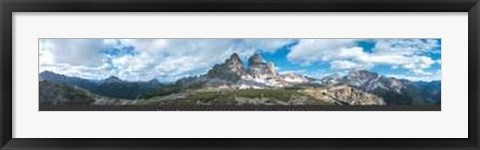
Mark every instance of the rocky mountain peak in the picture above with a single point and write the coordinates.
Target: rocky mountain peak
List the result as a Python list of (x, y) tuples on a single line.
[(234, 58), (257, 67), (362, 74), (234, 62), (231, 69), (44, 73), (370, 81), (255, 59), (153, 81), (271, 69), (48, 75), (112, 79)]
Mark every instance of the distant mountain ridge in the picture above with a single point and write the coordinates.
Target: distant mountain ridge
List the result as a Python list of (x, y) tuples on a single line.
[(67, 80), (358, 87), (55, 94), (111, 86), (394, 91)]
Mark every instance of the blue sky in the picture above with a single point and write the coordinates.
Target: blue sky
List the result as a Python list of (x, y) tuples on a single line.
[(171, 59)]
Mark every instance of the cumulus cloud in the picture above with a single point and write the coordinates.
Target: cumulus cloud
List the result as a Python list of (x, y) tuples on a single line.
[(162, 58), (269, 45), (425, 76), (73, 51), (406, 47), (170, 59), (313, 50), (345, 65), (75, 57), (346, 54), (102, 71)]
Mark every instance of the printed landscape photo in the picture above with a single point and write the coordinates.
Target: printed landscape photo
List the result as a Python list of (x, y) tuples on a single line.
[(238, 74)]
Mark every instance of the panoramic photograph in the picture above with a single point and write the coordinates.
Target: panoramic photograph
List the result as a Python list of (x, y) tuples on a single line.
[(252, 74)]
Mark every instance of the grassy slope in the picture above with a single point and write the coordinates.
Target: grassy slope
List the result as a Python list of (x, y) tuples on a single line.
[(232, 97)]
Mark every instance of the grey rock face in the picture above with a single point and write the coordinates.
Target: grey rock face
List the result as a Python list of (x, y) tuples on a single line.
[(393, 91), (370, 81), (344, 95), (230, 70), (257, 67)]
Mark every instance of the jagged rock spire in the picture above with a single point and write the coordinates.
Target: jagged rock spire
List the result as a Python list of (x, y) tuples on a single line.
[(255, 59), (234, 61), (234, 57), (258, 67), (232, 69)]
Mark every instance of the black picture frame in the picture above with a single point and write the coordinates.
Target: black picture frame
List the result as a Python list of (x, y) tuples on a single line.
[(7, 7)]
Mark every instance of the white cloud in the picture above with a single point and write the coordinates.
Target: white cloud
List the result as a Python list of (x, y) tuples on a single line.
[(345, 54), (163, 58), (45, 54), (74, 57), (314, 50), (84, 52), (269, 45), (144, 45), (102, 71), (406, 46), (346, 65), (181, 57), (425, 76), (173, 58)]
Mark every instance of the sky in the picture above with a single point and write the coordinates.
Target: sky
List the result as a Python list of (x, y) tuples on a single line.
[(170, 59)]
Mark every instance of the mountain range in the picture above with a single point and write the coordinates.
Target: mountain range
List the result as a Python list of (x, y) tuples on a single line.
[(233, 83), (111, 86)]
